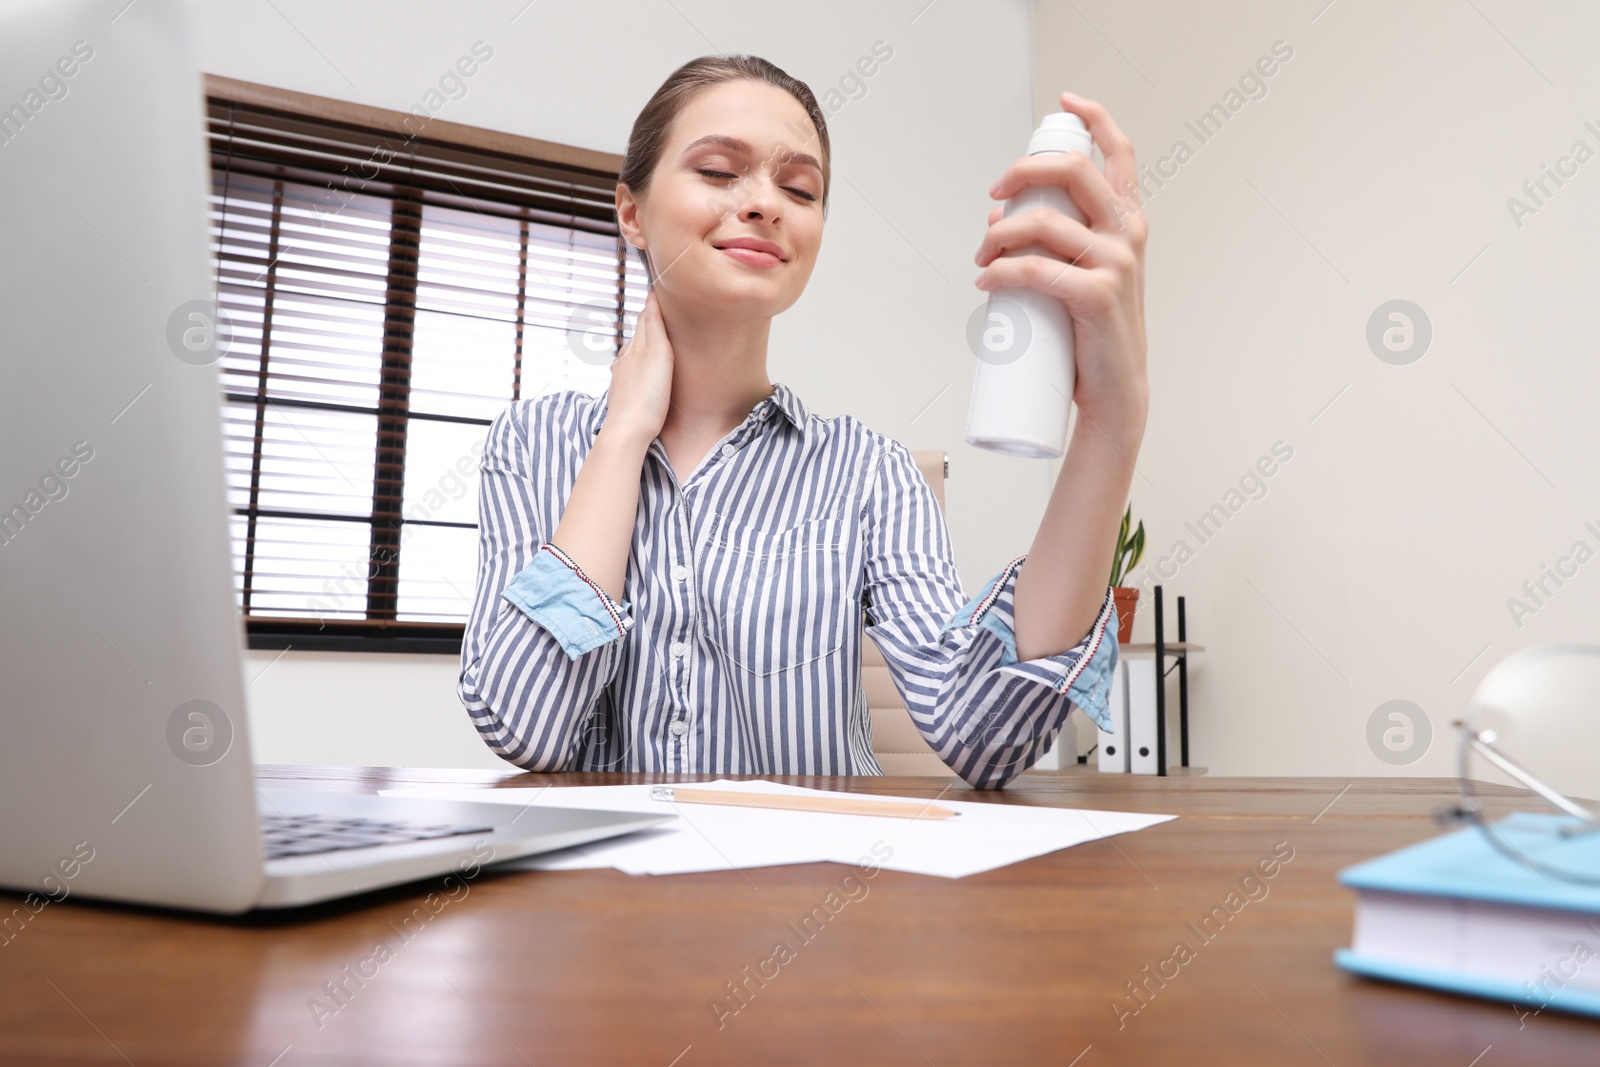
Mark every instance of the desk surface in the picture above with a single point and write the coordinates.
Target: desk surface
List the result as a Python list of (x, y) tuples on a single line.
[(1019, 965)]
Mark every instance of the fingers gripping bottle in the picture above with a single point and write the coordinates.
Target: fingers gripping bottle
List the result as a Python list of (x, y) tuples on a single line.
[(1023, 387)]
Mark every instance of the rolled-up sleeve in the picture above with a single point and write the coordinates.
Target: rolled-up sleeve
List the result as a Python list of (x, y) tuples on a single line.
[(988, 715), (554, 592), (542, 640)]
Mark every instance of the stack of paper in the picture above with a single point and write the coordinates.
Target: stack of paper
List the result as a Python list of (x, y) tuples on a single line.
[(709, 837)]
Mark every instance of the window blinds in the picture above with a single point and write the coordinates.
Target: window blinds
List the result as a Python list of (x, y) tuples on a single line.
[(386, 295)]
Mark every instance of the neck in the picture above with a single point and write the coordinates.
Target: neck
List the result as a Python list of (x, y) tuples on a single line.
[(719, 370)]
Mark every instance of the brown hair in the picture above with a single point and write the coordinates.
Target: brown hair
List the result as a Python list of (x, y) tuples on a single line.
[(654, 124)]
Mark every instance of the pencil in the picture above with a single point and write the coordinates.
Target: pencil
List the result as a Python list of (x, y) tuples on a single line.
[(843, 805)]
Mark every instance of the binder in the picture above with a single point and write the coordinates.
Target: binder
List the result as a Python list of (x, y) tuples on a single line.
[(1113, 747), (1143, 748)]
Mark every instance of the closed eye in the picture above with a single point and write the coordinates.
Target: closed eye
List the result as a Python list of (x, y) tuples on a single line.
[(723, 175)]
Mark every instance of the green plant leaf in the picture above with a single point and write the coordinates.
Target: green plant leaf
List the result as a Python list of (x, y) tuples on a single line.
[(1129, 550)]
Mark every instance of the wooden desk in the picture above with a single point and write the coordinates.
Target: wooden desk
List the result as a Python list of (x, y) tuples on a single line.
[(1017, 966)]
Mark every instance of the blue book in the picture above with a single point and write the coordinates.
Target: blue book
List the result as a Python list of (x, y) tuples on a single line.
[(1457, 914)]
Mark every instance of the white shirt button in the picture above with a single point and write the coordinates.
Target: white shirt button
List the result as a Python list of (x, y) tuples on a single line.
[(680, 728), (728, 450), (680, 572), (680, 648)]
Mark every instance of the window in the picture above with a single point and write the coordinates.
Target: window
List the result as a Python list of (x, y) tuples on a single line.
[(385, 295)]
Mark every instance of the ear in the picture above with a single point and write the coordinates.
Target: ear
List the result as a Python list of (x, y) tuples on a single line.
[(628, 216)]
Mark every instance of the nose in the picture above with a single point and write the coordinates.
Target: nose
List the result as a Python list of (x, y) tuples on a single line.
[(761, 198)]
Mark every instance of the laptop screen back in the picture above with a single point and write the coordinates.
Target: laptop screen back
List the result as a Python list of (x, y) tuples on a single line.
[(126, 739)]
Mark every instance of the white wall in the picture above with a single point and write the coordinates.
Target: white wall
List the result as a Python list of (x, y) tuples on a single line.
[(1379, 563), (879, 333)]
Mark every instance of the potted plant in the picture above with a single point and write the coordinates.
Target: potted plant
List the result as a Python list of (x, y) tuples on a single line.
[(1130, 550)]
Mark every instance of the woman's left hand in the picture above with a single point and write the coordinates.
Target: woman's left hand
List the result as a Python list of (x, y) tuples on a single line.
[(1102, 277)]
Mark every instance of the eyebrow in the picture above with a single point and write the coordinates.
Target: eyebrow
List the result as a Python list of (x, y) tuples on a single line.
[(735, 144)]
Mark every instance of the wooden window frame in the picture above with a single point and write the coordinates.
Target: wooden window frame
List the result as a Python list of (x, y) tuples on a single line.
[(381, 631)]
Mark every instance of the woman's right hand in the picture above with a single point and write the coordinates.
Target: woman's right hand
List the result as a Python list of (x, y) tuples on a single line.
[(641, 378)]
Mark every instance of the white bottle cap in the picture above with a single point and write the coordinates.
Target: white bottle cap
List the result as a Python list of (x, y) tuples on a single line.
[(1061, 132)]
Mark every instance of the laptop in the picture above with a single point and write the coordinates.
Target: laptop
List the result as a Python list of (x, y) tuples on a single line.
[(125, 763)]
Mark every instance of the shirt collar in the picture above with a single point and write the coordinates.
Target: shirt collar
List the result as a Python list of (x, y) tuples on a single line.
[(788, 402), (784, 399)]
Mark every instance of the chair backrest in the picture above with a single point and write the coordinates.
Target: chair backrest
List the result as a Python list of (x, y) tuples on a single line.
[(896, 741)]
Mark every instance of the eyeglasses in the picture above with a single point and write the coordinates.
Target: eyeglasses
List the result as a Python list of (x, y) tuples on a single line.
[(1543, 843)]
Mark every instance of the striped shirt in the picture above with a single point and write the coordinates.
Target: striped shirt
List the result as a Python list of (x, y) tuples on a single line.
[(736, 647)]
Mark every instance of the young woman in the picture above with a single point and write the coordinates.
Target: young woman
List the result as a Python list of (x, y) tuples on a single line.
[(673, 574)]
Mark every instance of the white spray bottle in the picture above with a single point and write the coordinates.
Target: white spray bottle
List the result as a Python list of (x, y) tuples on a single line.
[(1023, 387)]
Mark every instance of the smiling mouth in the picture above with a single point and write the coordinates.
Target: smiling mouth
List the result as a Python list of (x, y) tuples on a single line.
[(752, 251), (754, 257)]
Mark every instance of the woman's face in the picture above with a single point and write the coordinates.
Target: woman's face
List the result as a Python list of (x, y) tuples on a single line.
[(739, 164)]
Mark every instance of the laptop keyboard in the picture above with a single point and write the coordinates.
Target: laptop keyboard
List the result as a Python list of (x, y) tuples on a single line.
[(300, 835)]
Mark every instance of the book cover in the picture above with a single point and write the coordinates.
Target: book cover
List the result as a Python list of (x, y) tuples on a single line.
[(1458, 914)]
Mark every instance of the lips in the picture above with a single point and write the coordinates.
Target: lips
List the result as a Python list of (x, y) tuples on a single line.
[(753, 251)]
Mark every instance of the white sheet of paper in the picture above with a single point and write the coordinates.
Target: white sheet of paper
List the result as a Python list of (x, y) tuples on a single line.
[(709, 837)]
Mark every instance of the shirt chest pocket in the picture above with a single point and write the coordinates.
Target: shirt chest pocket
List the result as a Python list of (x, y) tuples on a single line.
[(778, 599)]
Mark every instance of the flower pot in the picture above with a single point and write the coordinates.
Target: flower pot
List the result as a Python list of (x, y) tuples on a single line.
[(1127, 600)]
